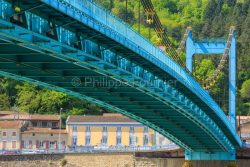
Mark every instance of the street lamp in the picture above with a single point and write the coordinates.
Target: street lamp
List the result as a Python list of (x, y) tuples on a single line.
[(60, 126)]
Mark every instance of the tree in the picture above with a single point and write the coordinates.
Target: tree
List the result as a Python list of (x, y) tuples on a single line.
[(204, 70), (52, 101), (4, 102), (245, 90), (77, 111), (28, 98)]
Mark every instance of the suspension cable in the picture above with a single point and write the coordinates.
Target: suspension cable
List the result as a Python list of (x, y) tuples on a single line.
[(211, 81), (153, 19)]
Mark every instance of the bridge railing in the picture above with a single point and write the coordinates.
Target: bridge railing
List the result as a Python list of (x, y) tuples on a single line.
[(115, 23), (123, 29)]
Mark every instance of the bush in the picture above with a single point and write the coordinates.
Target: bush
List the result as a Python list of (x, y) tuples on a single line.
[(63, 162)]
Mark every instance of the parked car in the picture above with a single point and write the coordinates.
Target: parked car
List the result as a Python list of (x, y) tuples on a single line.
[(40, 151), (10, 152), (28, 152)]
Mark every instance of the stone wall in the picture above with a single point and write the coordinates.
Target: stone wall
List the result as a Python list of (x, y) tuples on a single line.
[(104, 160), (100, 160)]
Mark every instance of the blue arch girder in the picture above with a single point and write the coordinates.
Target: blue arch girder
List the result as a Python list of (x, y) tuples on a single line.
[(55, 42)]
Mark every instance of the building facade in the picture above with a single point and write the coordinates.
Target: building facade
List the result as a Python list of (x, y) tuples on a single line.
[(46, 139), (10, 137), (105, 132), (34, 120), (33, 133), (244, 128), (109, 130)]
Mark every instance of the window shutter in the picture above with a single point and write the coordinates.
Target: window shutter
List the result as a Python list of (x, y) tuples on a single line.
[(30, 144), (22, 144), (37, 144), (63, 144), (47, 144)]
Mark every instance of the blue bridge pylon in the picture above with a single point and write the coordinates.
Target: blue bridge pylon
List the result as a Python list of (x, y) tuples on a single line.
[(217, 46), (51, 43)]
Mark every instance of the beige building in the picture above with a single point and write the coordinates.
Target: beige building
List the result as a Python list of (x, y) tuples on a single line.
[(22, 131), (43, 139), (34, 120), (10, 137), (107, 130), (110, 130), (244, 128)]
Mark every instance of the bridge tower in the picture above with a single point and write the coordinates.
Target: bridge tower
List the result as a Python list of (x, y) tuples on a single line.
[(215, 46)]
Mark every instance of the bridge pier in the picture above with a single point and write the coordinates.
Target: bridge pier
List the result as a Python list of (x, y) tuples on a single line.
[(200, 155), (191, 156), (189, 163)]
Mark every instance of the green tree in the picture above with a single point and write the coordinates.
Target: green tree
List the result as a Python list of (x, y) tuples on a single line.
[(245, 90), (77, 111), (4, 102), (52, 101), (28, 98), (204, 70)]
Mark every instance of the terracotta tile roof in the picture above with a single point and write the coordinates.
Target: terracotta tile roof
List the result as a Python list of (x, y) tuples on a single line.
[(11, 124), (6, 112), (22, 116), (15, 117), (44, 130), (45, 117), (99, 118)]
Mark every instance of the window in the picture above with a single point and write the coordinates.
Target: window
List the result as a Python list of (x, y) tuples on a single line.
[(4, 133), (87, 129), (51, 134), (39, 124), (104, 129), (4, 144), (13, 144), (119, 129), (104, 135), (49, 124), (42, 144), (74, 129), (87, 140), (34, 124), (13, 133), (145, 140), (104, 140), (74, 141), (26, 144), (44, 124), (145, 129), (33, 134), (131, 136), (30, 144), (131, 130), (131, 140), (87, 136), (118, 136), (54, 124), (118, 140), (52, 144)]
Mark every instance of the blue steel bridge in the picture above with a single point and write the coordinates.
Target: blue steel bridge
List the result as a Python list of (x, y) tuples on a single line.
[(51, 43)]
